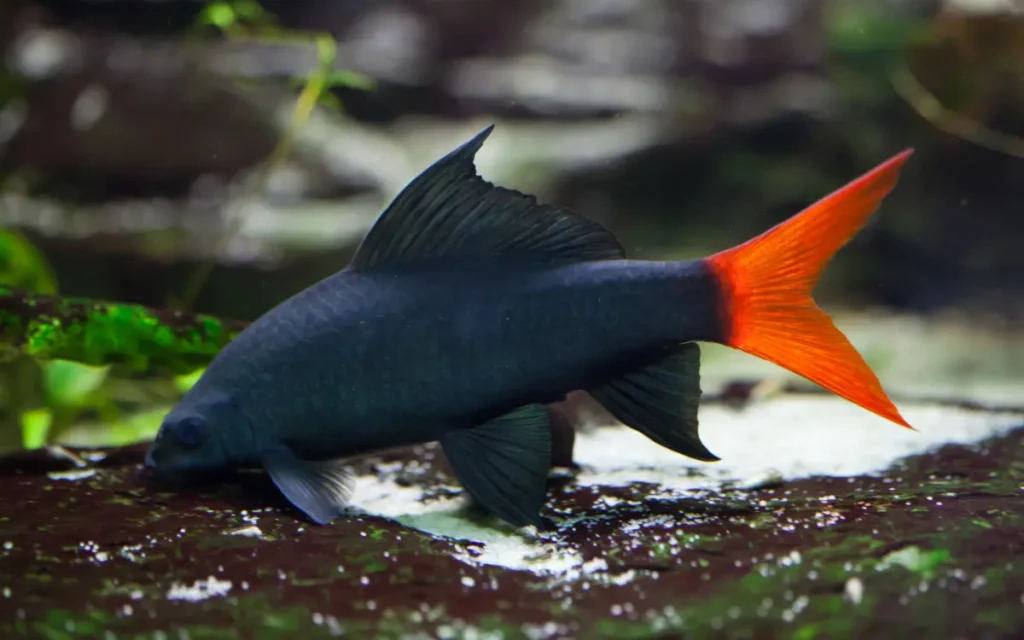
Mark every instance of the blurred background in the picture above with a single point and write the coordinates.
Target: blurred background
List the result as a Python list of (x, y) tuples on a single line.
[(220, 156)]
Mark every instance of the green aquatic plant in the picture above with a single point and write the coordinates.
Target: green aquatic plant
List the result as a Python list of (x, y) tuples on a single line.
[(71, 345), (61, 352), (97, 333), (247, 21), (23, 265)]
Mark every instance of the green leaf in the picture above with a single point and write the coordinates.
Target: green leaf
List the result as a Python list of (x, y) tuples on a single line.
[(71, 383), (224, 15), (35, 426), (22, 265), (139, 427), (353, 79), (185, 382), (218, 14)]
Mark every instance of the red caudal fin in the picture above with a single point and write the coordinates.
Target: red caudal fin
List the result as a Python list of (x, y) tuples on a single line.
[(766, 283)]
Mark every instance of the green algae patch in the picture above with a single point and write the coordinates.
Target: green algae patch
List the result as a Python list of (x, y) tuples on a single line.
[(913, 559), (60, 624), (929, 548), (104, 333)]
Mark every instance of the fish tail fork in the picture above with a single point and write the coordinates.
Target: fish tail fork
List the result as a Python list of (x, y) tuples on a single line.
[(765, 287)]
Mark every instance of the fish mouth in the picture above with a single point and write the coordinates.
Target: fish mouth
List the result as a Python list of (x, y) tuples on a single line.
[(160, 474), (178, 478), (152, 469)]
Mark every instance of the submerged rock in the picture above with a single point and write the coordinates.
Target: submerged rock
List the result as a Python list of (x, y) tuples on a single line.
[(864, 531)]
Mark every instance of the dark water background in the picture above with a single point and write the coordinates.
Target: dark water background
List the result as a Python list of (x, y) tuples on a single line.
[(127, 127)]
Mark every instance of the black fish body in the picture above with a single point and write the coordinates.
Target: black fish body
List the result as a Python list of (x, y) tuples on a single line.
[(467, 308), (364, 361)]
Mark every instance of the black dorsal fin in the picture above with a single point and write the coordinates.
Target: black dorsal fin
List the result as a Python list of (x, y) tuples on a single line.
[(449, 210)]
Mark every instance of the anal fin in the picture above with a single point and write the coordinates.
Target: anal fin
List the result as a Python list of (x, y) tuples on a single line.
[(504, 464), (661, 401), (320, 489)]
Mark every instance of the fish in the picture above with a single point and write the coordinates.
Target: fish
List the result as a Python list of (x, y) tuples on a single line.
[(468, 308)]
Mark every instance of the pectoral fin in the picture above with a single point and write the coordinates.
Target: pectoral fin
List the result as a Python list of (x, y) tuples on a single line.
[(661, 401), (320, 489), (504, 463)]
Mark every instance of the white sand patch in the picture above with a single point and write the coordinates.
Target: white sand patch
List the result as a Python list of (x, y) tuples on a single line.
[(74, 474), (794, 437), (199, 590), (790, 437), (498, 545)]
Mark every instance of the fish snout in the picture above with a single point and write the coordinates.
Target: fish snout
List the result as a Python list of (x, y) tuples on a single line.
[(153, 472)]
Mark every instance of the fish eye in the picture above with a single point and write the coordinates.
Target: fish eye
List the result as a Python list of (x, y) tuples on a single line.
[(190, 432)]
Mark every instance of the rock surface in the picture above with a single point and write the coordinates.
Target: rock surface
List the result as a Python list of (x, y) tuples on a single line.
[(819, 522)]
